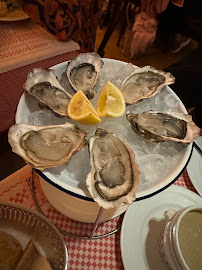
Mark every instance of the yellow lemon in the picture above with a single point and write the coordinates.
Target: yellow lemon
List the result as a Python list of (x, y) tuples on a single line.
[(81, 110), (111, 102)]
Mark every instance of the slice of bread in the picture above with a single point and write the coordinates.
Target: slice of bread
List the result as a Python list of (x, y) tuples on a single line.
[(32, 259), (10, 251)]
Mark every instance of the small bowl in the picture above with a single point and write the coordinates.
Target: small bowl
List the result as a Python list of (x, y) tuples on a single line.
[(172, 244), (24, 225)]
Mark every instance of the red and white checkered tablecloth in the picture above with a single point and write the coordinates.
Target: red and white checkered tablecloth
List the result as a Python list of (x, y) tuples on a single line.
[(83, 254), (25, 45), (11, 86), (25, 42)]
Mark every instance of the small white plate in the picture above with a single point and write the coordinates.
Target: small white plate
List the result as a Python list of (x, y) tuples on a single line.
[(16, 15), (143, 224), (194, 167)]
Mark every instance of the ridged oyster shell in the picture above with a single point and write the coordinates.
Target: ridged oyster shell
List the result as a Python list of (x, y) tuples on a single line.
[(158, 126), (114, 176), (44, 86), (82, 72), (46, 146), (144, 82)]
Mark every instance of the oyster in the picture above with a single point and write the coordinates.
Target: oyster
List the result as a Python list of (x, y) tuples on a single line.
[(46, 146), (143, 83), (114, 176), (158, 126), (82, 72), (44, 86)]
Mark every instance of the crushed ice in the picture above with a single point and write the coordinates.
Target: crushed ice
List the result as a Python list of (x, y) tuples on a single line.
[(154, 159)]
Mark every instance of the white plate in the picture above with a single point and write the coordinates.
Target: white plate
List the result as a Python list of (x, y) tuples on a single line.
[(194, 167), (143, 224), (59, 177), (16, 15)]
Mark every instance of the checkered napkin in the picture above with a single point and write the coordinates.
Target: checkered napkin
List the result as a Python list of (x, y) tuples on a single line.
[(83, 254)]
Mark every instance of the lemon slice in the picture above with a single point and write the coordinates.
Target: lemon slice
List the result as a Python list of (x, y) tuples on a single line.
[(81, 110), (111, 102)]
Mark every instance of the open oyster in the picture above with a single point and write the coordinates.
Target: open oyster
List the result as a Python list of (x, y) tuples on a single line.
[(114, 176), (158, 126), (82, 72), (46, 146), (44, 86), (143, 83)]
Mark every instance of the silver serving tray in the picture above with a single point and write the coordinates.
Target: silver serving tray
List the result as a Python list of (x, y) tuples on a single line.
[(24, 225)]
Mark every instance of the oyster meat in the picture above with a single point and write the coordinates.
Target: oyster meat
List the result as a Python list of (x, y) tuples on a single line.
[(158, 126), (114, 176), (82, 72), (144, 83), (46, 146), (44, 86)]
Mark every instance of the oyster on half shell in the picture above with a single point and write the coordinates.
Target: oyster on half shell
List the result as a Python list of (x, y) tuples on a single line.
[(44, 86), (158, 126), (114, 176), (82, 72), (46, 146), (144, 82)]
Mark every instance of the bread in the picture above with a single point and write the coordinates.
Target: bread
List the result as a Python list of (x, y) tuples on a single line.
[(10, 251), (32, 259)]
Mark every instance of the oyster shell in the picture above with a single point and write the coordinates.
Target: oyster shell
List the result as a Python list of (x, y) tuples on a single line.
[(114, 176), (158, 126), (46, 146), (44, 86), (144, 82), (82, 72)]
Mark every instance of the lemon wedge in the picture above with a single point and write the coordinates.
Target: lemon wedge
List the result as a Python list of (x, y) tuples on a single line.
[(110, 102), (81, 110)]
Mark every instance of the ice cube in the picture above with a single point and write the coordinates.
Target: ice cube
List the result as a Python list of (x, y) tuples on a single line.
[(40, 118), (79, 166), (122, 74), (157, 148), (45, 118), (170, 148), (171, 151), (109, 70), (171, 101), (55, 170), (153, 166), (115, 128), (146, 145)]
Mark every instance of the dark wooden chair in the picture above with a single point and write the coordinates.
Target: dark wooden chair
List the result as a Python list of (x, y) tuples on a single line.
[(119, 10)]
